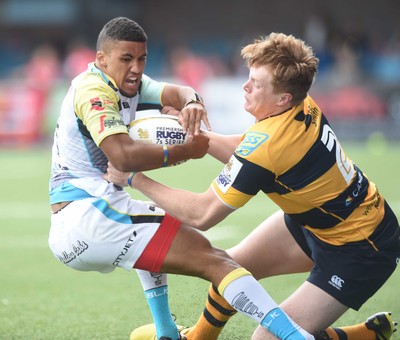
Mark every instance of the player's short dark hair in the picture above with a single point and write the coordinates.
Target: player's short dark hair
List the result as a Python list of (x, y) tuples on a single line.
[(120, 29)]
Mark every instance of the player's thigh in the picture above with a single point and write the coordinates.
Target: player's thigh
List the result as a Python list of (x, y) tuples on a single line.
[(191, 253), (270, 249), (311, 308)]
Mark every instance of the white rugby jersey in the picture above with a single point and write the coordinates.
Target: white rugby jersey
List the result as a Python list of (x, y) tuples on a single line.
[(92, 110)]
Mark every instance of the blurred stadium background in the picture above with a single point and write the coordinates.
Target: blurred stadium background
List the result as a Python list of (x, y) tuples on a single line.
[(44, 43)]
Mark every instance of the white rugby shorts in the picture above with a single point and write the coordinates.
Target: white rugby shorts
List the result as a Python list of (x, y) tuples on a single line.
[(102, 233)]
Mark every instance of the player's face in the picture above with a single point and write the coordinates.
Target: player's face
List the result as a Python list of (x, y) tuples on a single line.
[(260, 97), (124, 62)]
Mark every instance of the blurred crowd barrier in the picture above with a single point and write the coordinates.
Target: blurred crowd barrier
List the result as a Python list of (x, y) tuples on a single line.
[(31, 93)]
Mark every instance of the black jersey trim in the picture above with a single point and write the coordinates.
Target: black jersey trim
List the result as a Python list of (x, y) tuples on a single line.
[(83, 129), (315, 163), (138, 219), (148, 106), (256, 178), (338, 209)]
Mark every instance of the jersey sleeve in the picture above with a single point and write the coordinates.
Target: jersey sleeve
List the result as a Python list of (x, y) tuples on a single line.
[(247, 171), (237, 182), (150, 93), (96, 107)]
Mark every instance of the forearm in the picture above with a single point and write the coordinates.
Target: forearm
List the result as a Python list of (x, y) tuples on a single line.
[(177, 96), (195, 209), (128, 155), (192, 111), (221, 147)]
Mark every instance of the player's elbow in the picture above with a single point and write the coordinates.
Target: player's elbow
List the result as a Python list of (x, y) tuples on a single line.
[(199, 223), (203, 224), (204, 220)]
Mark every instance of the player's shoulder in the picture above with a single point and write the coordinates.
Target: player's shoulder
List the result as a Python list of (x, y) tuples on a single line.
[(149, 85)]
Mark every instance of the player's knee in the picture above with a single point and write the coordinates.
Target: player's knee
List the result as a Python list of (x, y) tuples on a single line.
[(217, 265)]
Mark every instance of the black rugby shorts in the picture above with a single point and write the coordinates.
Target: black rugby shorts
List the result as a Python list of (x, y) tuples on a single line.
[(353, 272)]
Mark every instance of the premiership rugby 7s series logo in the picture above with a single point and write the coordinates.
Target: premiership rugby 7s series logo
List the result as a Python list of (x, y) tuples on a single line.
[(251, 141)]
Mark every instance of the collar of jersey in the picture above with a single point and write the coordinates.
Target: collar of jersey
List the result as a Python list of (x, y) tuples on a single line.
[(110, 82)]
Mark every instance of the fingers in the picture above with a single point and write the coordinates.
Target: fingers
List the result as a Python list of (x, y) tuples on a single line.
[(191, 117), (169, 110), (115, 176)]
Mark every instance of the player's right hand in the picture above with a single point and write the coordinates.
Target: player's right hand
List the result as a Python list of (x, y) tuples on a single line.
[(198, 145)]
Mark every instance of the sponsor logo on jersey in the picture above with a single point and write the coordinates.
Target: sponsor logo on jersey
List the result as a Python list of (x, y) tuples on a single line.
[(106, 123), (228, 174), (336, 282), (376, 201), (99, 104), (356, 191), (125, 105), (251, 141), (349, 200)]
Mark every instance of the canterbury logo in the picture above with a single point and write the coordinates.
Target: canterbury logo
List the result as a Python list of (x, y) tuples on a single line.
[(336, 282)]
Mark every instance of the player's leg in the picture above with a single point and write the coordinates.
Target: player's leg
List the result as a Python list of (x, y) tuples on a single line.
[(314, 309), (344, 277), (191, 253), (269, 250), (254, 246), (310, 306), (104, 233), (155, 287)]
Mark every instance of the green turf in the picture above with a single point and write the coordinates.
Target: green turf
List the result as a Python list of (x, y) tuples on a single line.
[(42, 299)]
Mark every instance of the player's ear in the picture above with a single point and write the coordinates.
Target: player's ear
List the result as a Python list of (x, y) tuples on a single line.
[(100, 59), (285, 99)]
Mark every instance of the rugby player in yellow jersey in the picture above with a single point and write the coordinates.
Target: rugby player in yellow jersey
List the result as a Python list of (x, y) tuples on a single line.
[(97, 226), (333, 222)]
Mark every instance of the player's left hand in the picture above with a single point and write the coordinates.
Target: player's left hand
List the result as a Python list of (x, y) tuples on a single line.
[(116, 177)]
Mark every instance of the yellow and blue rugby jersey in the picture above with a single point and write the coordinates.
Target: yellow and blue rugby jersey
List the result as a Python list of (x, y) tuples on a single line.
[(296, 159), (92, 110)]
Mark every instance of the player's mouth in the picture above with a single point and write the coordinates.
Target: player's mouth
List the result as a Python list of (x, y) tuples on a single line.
[(130, 86), (132, 81)]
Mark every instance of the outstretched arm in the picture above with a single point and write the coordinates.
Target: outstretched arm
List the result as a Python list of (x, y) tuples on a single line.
[(199, 210), (221, 146)]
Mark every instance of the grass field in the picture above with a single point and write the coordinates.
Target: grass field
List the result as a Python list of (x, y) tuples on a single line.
[(42, 299)]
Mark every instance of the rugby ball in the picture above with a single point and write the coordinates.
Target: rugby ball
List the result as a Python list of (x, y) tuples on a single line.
[(160, 129)]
